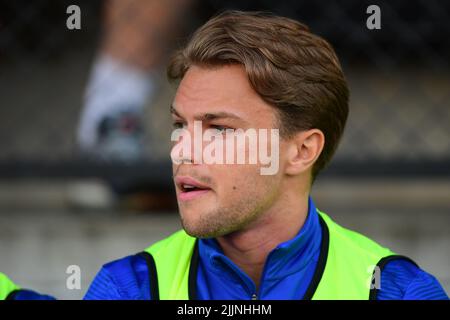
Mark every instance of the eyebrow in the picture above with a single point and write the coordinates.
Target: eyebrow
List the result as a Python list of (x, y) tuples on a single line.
[(208, 116)]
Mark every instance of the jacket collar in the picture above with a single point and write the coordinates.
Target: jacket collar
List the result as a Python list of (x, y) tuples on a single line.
[(287, 258)]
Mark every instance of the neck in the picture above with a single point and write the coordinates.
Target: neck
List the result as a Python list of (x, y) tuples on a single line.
[(249, 248)]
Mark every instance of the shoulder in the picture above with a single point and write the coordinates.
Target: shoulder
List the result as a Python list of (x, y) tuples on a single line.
[(178, 240), (401, 279), (26, 294), (352, 243), (121, 279)]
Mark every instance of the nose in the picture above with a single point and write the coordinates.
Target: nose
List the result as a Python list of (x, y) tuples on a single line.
[(188, 147), (181, 151)]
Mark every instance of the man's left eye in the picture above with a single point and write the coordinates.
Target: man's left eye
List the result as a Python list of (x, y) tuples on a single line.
[(220, 128)]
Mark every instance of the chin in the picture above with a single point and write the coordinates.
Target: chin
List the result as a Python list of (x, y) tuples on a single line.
[(195, 228), (194, 231)]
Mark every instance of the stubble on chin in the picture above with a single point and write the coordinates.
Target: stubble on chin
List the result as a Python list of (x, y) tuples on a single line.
[(220, 222)]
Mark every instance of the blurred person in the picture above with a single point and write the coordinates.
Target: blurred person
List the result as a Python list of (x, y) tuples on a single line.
[(10, 291), (247, 235), (123, 77)]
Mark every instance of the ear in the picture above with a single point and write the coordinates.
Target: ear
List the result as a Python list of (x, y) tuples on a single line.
[(303, 150)]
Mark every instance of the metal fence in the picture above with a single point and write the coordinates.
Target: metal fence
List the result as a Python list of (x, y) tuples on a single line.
[(399, 80)]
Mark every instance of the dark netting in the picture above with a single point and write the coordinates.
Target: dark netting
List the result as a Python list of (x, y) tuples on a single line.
[(399, 79)]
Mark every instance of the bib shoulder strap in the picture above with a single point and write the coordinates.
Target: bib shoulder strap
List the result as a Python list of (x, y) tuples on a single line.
[(172, 267), (323, 255), (152, 274)]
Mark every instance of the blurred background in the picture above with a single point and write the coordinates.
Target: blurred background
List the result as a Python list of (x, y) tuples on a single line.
[(85, 172)]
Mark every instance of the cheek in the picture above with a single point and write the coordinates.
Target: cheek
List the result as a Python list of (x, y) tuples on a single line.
[(235, 181)]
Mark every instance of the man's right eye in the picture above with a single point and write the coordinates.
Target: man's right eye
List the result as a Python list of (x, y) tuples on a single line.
[(177, 125)]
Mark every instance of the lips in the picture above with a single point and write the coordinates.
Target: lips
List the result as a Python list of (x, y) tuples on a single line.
[(190, 188)]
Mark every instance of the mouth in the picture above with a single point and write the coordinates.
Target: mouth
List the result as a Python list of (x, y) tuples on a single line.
[(190, 188)]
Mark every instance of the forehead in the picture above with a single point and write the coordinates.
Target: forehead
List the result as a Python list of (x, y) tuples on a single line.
[(217, 89)]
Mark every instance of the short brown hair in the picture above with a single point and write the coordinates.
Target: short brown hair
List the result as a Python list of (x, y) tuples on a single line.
[(295, 71)]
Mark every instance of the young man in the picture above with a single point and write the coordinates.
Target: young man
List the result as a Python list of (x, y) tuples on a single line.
[(249, 235)]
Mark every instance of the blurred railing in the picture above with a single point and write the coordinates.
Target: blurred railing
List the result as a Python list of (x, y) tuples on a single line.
[(399, 78)]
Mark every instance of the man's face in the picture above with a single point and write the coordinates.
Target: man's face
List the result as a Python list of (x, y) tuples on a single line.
[(226, 197)]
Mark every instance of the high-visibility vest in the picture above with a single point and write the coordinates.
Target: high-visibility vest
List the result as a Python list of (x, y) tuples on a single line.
[(349, 266), (6, 286)]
